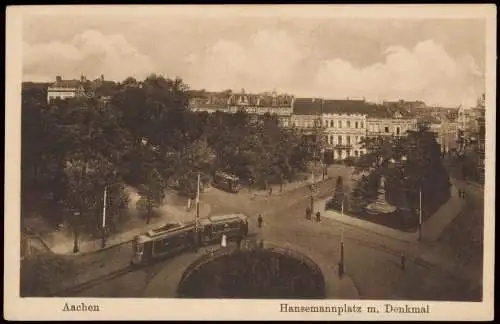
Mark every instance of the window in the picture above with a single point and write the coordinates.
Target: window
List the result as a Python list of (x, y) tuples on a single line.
[(386, 129), (340, 124), (331, 123), (348, 140), (348, 153), (331, 139), (326, 123), (397, 131), (339, 140), (348, 124), (356, 124), (326, 139), (356, 153), (362, 125)]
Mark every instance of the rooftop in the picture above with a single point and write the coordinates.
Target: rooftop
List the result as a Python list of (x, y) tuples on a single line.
[(69, 84), (307, 106)]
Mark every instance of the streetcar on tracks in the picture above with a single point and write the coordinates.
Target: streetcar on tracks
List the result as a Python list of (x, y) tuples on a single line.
[(174, 238), (214, 227), (226, 181)]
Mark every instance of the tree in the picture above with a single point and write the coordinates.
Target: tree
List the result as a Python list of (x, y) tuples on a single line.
[(117, 202), (421, 169), (84, 187), (152, 193)]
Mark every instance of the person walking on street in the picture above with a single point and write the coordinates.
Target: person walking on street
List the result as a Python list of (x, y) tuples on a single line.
[(318, 216), (259, 221), (308, 213), (270, 190)]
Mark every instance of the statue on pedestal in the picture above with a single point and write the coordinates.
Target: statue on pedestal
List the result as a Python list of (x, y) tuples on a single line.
[(380, 205)]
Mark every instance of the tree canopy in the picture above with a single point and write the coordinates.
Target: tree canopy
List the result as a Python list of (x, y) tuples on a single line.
[(73, 148)]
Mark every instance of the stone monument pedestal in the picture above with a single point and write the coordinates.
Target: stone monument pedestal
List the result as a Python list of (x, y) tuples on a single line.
[(380, 205)]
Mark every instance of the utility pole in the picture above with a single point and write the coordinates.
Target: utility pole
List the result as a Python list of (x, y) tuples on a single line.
[(341, 264), (197, 216), (420, 215), (103, 242), (312, 192)]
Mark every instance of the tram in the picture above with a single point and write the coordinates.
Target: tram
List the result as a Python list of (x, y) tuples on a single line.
[(177, 237), (215, 226), (226, 181)]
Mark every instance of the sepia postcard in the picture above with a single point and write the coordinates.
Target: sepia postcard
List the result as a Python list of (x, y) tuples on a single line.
[(250, 162)]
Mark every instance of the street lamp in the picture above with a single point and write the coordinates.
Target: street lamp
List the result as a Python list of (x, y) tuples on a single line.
[(104, 214), (103, 242), (75, 241), (341, 264)]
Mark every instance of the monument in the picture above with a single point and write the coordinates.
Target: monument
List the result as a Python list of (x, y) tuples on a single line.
[(380, 205)]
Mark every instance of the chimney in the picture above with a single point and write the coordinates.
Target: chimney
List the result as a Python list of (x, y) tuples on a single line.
[(58, 78)]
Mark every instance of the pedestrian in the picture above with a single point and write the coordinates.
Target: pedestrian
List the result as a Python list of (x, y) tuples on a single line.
[(308, 213), (403, 261), (318, 216), (270, 191), (259, 221), (223, 242)]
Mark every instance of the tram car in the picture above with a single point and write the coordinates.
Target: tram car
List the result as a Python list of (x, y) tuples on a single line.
[(213, 227), (226, 181), (177, 237), (162, 242)]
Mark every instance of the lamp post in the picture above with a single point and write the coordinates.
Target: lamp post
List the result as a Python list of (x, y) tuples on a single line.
[(420, 214), (103, 242), (341, 265), (76, 249), (104, 222), (197, 215)]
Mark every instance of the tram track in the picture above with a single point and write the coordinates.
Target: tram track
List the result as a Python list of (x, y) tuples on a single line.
[(71, 291)]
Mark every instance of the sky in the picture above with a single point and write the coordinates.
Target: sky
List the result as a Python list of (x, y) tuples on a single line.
[(439, 61)]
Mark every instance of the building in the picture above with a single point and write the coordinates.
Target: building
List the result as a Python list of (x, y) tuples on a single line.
[(390, 119), (99, 88), (448, 133), (64, 89), (344, 125), (307, 114), (253, 104)]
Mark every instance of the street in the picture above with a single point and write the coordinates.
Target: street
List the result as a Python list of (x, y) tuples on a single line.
[(372, 261)]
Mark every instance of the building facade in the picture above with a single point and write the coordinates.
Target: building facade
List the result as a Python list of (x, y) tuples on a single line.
[(253, 104), (64, 89), (392, 119), (344, 124)]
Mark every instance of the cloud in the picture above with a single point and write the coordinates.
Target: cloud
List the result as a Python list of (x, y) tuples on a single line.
[(305, 64), (426, 72), (273, 59), (267, 60), (90, 53)]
